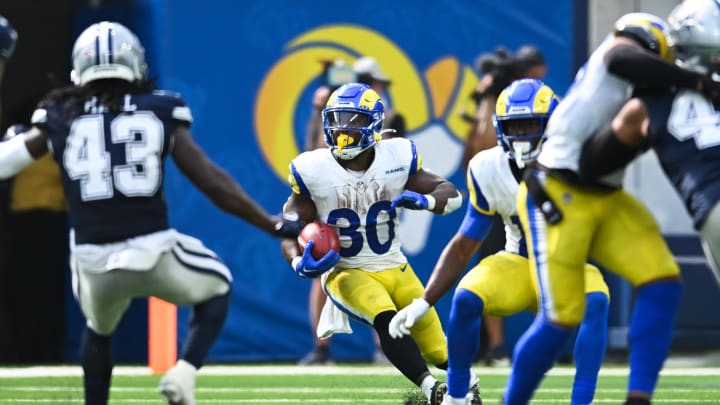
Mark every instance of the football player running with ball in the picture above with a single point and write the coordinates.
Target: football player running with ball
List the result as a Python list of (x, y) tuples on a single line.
[(110, 133), (501, 284), (356, 185)]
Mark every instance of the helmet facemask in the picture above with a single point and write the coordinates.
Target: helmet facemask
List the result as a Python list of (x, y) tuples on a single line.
[(352, 120), (522, 138), (521, 114)]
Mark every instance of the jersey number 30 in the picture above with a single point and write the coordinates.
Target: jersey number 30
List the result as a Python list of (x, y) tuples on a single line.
[(86, 158)]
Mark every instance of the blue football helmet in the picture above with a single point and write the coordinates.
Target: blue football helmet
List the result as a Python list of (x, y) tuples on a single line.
[(352, 120), (521, 114), (107, 50), (8, 38), (651, 31)]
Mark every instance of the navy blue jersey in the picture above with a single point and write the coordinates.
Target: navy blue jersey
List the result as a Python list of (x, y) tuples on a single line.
[(112, 162), (685, 133)]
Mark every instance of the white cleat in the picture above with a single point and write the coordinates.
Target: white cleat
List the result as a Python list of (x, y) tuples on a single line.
[(448, 400), (177, 386)]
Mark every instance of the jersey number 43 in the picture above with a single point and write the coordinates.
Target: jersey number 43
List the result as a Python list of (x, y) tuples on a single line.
[(87, 159)]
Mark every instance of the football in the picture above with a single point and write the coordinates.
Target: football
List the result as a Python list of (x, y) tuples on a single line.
[(324, 236)]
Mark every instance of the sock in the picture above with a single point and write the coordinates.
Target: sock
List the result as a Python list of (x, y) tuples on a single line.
[(590, 348), (205, 325), (426, 385), (463, 334), (637, 401), (96, 360), (403, 353), (651, 329), (535, 352)]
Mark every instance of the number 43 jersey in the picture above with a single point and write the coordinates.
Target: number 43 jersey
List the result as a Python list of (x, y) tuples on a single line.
[(357, 204), (112, 162)]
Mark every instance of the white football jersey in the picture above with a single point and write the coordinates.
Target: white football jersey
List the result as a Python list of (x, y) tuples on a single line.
[(592, 101), (357, 204), (493, 182)]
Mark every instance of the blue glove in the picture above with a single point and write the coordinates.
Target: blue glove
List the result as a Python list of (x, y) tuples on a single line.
[(414, 201), (307, 267)]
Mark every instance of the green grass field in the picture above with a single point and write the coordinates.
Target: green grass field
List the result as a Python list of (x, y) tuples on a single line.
[(255, 384)]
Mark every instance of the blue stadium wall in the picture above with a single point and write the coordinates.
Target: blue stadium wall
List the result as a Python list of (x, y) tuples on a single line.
[(248, 70)]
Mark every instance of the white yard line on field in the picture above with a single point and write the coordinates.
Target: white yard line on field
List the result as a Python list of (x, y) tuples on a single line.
[(76, 371)]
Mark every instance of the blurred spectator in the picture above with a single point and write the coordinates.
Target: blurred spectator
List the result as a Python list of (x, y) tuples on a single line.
[(335, 74), (34, 220), (497, 70), (369, 72), (8, 39)]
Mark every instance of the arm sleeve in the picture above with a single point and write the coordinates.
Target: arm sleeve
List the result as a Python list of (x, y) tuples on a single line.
[(475, 225), (643, 68)]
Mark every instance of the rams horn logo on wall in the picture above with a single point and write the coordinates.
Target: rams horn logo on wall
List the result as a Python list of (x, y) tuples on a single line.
[(436, 98)]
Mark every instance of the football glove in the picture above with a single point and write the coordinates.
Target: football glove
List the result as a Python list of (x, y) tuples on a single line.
[(306, 266), (401, 323), (14, 130), (414, 201), (288, 227)]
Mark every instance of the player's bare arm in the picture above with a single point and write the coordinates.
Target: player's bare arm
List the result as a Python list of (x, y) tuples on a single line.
[(216, 183), (305, 209), (447, 197), (453, 260)]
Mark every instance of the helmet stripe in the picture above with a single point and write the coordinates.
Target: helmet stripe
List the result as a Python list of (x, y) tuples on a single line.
[(542, 101), (110, 45), (97, 47), (368, 99)]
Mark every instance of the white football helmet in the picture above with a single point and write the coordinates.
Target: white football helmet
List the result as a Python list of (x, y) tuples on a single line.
[(695, 34), (107, 50)]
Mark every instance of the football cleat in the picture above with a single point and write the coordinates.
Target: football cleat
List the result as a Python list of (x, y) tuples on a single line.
[(473, 397), (437, 393), (177, 386), (317, 357)]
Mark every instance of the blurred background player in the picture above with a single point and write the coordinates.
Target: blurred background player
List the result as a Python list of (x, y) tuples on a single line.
[(594, 218), (369, 72), (8, 40), (335, 74), (497, 70), (365, 70), (679, 124), (371, 278), (121, 244), (501, 284)]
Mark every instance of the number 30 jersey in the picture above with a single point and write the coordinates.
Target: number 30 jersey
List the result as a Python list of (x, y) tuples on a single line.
[(112, 162), (684, 130), (357, 204)]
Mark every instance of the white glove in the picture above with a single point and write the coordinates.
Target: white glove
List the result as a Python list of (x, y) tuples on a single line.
[(401, 323)]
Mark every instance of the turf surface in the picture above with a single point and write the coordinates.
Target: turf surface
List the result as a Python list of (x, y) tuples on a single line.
[(332, 385)]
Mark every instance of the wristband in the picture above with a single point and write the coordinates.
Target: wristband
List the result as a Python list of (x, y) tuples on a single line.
[(430, 202)]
